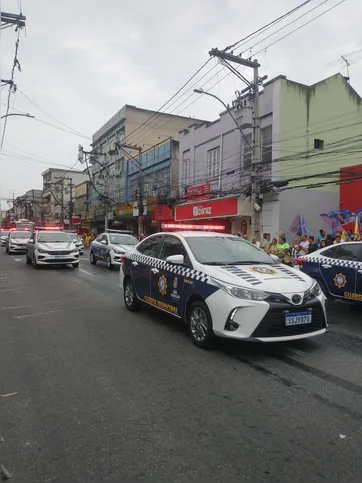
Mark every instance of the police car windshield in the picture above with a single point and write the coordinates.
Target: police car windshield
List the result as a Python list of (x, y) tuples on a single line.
[(73, 236), (20, 234), (123, 239), (225, 250), (55, 237)]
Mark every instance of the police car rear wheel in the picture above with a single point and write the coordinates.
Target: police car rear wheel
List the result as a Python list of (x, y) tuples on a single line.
[(200, 325), (130, 298)]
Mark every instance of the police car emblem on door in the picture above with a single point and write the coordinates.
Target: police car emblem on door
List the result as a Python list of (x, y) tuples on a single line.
[(340, 280), (162, 285)]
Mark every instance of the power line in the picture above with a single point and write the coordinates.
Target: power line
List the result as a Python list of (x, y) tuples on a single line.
[(52, 117), (288, 24), (265, 27)]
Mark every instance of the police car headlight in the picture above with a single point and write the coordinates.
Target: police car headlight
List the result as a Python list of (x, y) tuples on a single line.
[(118, 251), (316, 289), (40, 250), (240, 292)]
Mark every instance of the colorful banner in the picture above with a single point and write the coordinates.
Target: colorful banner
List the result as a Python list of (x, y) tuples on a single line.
[(342, 220)]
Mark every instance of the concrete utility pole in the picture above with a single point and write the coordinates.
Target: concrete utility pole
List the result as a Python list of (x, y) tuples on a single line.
[(140, 185), (256, 136), (70, 210)]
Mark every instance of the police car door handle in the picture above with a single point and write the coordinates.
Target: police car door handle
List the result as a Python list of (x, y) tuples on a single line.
[(326, 266), (135, 264), (155, 270)]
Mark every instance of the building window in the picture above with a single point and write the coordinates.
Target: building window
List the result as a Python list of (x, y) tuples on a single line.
[(162, 181), (186, 168), (213, 162), (267, 151), (247, 151), (318, 144)]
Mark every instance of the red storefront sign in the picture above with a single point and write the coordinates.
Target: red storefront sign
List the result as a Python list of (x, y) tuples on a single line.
[(163, 213), (209, 209), (198, 193)]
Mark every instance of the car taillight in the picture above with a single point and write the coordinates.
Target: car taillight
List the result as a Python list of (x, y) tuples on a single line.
[(300, 261)]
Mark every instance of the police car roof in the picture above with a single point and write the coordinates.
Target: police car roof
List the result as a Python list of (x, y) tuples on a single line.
[(198, 233)]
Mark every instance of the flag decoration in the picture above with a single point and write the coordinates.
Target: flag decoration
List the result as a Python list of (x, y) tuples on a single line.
[(357, 228), (299, 226)]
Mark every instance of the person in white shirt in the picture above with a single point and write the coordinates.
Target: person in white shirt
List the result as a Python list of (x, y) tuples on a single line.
[(255, 242), (304, 244)]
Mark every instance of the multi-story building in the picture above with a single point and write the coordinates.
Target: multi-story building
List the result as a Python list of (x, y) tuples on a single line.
[(307, 134), (29, 206), (58, 193), (112, 165)]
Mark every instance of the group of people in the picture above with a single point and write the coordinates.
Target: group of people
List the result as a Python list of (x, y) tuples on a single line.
[(301, 246)]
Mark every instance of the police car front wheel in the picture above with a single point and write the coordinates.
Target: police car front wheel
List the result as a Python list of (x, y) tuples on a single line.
[(200, 325), (109, 262), (130, 298)]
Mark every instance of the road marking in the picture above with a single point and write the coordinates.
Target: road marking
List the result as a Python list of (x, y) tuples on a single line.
[(39, 303), (85, 271), (17, 259), (296, 351), (21, 317), (10, 290)]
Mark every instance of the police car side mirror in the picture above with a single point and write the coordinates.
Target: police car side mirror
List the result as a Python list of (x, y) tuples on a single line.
[(176, 259), (275, 258), (104, 242)]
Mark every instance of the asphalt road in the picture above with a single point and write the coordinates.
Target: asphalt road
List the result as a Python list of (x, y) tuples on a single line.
[(105, 395)]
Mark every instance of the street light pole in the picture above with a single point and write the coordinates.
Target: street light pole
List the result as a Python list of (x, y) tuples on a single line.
[(20, 115)]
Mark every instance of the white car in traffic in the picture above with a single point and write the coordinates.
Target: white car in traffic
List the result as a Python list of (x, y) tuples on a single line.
[(51, 247)]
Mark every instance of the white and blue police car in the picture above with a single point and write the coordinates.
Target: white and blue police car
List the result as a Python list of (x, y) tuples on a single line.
[(338, 270), (222, 286), (109, 247)]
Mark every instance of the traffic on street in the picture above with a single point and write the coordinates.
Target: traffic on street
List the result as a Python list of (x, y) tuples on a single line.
[(93, 392)]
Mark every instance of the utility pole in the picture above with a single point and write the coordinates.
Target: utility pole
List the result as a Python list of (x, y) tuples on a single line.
[(70, 203), (253, 87), (140, 185)]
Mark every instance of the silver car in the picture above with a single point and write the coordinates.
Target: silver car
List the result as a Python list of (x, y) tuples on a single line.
[(17, 241)]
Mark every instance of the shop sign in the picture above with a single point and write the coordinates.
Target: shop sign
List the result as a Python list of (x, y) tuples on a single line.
[(163, 213), (209, 209), (198, 193)]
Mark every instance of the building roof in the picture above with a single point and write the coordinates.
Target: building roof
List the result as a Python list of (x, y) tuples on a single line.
[(49, 170)]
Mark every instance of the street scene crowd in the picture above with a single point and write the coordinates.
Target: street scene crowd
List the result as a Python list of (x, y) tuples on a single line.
[(289, 250)]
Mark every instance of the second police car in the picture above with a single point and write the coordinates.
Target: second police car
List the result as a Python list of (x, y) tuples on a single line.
[(51, 246), (109, 247), (17, 240), (222, 285), (338, 269)]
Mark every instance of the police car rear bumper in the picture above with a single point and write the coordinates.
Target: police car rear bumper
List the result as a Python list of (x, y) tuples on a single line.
[(265, 321)]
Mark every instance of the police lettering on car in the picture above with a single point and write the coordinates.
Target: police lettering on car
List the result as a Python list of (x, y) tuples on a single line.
[(222, 286), (338, 269)]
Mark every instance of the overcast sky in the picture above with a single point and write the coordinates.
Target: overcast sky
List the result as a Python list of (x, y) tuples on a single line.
[(82, 60)]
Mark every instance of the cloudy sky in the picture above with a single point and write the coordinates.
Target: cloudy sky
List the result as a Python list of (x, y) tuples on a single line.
[(82, 60)]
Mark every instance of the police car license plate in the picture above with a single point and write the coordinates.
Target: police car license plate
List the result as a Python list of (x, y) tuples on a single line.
[(58, 256), (299, 318)]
